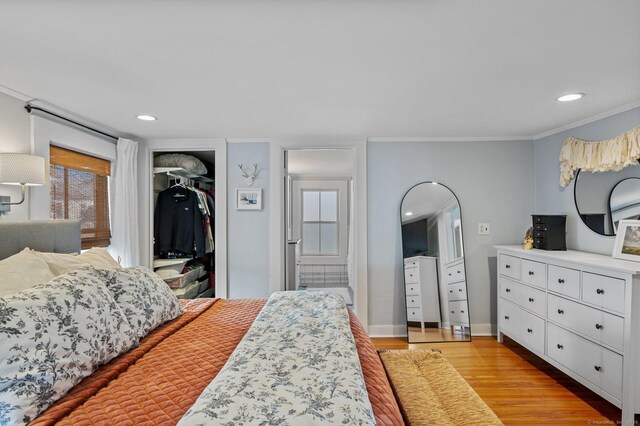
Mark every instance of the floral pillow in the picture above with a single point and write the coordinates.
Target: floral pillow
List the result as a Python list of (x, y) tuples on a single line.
[(147, 301), (52, 336)]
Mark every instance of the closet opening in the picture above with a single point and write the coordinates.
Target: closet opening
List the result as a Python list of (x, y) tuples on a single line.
[(320, 221), (183, 221)]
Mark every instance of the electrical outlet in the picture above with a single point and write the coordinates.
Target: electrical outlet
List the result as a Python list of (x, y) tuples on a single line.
[(484, 228)]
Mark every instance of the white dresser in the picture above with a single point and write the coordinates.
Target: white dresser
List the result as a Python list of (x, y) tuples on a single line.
[(457, 293), (577, 311), (421, 282)]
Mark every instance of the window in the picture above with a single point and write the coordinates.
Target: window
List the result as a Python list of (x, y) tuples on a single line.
[(80, 191), (319, 222)]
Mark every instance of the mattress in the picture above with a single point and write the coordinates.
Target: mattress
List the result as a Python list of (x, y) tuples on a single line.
[(156, 383)]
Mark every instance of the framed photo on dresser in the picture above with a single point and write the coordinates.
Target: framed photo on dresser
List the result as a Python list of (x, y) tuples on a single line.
[(627, 244)]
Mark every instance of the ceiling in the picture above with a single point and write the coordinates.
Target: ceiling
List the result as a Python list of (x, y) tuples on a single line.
[(331, 68)]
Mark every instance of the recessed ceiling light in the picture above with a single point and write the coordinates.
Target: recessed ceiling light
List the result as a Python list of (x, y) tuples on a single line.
[(570, 97), (408, 214), (146, 117)]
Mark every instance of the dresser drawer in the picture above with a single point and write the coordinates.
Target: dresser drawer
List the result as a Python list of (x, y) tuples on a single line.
[(594, 363), (410, 263), (598, 325), (523, 296), (458, 312), (457, 291), (523, 326), (413, 302), (414, 314), (564, 280), (455, 273), (510, 266), (412, 290), (607, 292), (534, 273), (411, 275)]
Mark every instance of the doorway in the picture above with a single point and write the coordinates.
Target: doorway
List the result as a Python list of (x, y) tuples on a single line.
[(319, 221)]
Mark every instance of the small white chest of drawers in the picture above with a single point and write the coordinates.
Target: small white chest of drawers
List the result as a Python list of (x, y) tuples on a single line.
[(454, 276), (421, 290), (578, 311)]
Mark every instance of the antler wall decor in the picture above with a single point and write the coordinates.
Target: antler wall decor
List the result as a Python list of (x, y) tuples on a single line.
[(249, 177)]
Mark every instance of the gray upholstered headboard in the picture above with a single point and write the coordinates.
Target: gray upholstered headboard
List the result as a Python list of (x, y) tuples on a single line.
[(58, 236)]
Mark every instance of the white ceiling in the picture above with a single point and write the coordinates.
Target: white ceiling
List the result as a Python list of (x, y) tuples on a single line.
[(305, 68)]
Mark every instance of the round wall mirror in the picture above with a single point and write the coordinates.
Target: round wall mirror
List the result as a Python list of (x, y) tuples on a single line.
[(597, 199), (434, 265)]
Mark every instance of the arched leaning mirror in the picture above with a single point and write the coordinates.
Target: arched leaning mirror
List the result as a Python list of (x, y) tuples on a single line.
[(433, 263), (603, 199)]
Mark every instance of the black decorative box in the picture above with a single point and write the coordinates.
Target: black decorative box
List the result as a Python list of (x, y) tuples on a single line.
[(549, 232)]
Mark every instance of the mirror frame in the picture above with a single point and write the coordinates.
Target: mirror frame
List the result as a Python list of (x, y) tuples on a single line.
[(610, 218), (464, 265)]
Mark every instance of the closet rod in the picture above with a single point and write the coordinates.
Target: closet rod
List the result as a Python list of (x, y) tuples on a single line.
[(29, 108)]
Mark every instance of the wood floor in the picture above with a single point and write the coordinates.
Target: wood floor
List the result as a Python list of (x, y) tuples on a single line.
[(519, 387)]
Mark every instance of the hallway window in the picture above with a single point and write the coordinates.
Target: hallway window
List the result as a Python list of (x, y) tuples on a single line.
[(320, 223)]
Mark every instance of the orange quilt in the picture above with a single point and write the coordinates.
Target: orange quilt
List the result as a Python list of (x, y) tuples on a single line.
[(156, 383)]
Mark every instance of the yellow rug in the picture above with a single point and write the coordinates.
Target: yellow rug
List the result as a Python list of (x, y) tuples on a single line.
[(431, 392)]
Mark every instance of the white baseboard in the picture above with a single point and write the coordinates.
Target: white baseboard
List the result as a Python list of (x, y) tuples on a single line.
[(388, 331), (401, 330)]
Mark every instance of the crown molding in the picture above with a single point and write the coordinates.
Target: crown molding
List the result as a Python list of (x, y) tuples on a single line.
[(14, 93), (451, 139), (587, 120)]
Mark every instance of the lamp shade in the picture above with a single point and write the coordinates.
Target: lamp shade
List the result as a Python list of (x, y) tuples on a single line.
[(22, 169)]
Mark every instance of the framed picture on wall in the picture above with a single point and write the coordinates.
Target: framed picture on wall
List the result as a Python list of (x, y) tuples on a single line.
[(248, 198), (627, 245)]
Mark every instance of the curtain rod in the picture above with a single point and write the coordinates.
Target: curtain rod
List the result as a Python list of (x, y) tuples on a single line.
[(29, 108)]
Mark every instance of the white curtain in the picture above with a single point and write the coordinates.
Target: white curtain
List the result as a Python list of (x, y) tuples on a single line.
[(125, 238), (351, 242)]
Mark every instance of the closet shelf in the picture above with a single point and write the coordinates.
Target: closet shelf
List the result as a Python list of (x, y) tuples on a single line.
[(180, 172)]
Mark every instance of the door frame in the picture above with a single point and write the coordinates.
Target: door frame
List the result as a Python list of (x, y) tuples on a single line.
[(146, 205), (277, 229)]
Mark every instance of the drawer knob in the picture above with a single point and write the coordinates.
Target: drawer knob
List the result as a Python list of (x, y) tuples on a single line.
[(506, 317), (599, 327), (560, 346), (507, 266), (600, 291), (529, 330), (450, 291), (508, 290), (452, 312), (449, 274), (560, 280), (530, 272), (462, 312), (560, 311), (531, 299), (597, 367), (458, 272), (459, 289)]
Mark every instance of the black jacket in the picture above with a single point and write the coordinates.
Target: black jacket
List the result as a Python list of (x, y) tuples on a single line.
[(178, 222)]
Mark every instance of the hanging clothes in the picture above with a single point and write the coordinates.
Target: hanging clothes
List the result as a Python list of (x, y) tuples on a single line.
[(178, 223)]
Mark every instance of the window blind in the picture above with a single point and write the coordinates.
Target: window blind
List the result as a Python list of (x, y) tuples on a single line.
[(79, 188)]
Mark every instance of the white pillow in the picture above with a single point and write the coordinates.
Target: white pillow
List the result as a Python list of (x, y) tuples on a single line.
[(99, 258), (52, 336), (61, 263), (21, 271), (147, 301)]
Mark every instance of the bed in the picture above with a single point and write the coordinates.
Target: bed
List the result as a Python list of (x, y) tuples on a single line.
[(166, 373)]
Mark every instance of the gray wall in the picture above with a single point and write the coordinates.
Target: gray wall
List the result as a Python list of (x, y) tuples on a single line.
[(248, 230), (494, 183), (551, 198), (15, 136)]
